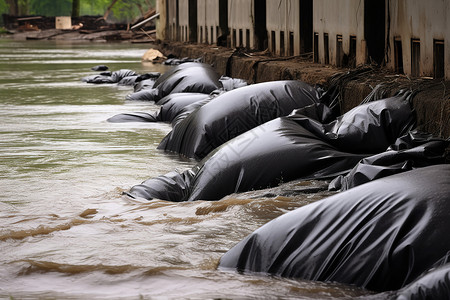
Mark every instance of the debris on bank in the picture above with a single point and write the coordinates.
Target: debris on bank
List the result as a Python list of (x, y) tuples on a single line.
[(91, 28)]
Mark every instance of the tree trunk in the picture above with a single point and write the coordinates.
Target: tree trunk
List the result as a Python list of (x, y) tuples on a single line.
[(13, 7), (75, 8), (108, 10), (140, 8)]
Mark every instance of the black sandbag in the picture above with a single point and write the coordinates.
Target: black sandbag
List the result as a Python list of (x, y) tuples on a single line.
[(367, 128), (184, 78), (147, 94), (119, 75), (189, 109), (177, 61), (174, 186), (166, 75), (115, 77), (133, 117), (433, 285), (266, 156), (149, 75), (171, 106), (179, 111), (100, 68), (98, 79), (174, 104), (145, 81), (229, 83), (381, 235), (128, 80), (275, 152), (414, 150), (234, 113), (146, 84), (188, 78)]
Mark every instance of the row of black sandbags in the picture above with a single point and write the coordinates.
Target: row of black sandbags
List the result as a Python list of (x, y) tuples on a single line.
[(381, 226), (375, 137), (179, 91), (189, 77), (204, 122)]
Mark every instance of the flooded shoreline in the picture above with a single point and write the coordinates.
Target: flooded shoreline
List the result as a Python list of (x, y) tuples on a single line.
[(69, 233)]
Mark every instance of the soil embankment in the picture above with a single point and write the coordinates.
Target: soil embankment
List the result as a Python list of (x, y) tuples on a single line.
[(432, 101)]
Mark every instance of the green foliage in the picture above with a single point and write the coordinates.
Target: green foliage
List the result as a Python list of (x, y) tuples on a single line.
[(122, 11), (128, 10), (93, 7), (125, 11), (50, 8), (3, 7)]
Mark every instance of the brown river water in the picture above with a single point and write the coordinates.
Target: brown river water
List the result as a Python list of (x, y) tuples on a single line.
[(67, 232)]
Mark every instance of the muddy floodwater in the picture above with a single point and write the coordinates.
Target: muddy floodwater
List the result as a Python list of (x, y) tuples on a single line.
[(67, 232)]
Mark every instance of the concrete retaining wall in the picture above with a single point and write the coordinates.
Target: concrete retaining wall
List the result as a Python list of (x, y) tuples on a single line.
[(207, 21), (172, 20), (340, 21), (426, 22), (283, 24), (240, 22), (183, 15)]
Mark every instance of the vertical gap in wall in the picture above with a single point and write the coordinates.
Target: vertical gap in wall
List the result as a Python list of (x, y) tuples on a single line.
[(241, 41), (326, 48), (247, 38), (167, 32), (339, 50), (352, 52), (316, 47), (234, 38), (398, 55), (223, 39), (191, 30), (206, 35), (375, 29), (291, 43), (177, 21), (212, 35), (201, 34), (260, 26), (273, 48), (415, 57), (282, 43), (217, 35), (306, 26), (438, 59)]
